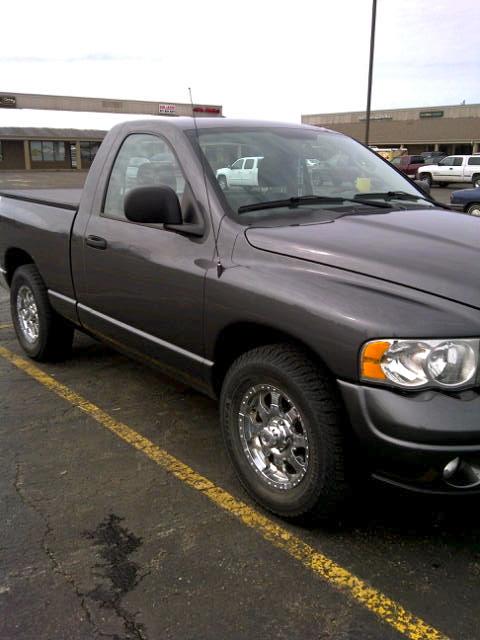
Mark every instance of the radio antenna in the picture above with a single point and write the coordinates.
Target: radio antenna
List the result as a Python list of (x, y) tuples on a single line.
[(220, 268)]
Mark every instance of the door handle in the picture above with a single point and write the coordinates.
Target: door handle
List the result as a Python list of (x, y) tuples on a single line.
[(96, 242)]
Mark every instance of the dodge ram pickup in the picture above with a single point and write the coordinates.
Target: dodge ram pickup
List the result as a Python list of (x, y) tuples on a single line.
[(337, 322)]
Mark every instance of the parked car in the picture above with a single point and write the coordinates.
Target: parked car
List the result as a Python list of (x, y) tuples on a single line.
[(408, 164), (340, 328), (131, 170), (433, 157), (242, 173), (467, 200), (452, 169)]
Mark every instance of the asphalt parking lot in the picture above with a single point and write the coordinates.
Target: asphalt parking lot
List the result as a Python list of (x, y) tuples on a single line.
[(105, 534)]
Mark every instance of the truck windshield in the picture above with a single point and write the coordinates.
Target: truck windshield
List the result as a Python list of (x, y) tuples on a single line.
[(292, 162)]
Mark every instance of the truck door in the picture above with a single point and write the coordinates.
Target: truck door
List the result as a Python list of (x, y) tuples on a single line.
[(458, 168), (445, 171), (236, 172), (143, 284), (472, 168), (249, 177)]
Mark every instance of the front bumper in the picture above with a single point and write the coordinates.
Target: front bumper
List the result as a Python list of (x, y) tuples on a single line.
[(457, 207), (409, 438)]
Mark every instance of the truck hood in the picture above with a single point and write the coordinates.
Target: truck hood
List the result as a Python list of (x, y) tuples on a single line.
[(436, 251)]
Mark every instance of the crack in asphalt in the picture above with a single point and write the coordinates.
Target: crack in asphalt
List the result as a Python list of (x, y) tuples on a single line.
[(116, 544), (48, 531)]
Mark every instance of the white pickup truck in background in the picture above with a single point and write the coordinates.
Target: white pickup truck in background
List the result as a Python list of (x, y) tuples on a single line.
[(242, 173), (452, 169)]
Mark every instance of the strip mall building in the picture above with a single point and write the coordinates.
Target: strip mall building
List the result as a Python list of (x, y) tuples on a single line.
[(41, 148), (451, 129)]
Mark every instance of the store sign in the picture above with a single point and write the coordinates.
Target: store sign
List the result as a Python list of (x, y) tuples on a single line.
[(376, 116), (167, 108), (8, 102), (431, 114)]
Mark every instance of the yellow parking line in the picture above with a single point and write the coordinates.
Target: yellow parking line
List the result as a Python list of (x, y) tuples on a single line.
[(381, 605), (6, 326)]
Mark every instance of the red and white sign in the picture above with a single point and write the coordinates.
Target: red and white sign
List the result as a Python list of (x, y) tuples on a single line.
[(166, 108)]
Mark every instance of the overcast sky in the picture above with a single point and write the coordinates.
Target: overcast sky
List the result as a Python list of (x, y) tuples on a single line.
[(272, 60)]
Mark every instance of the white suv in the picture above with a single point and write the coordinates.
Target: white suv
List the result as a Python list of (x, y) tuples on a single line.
[(242, 173), (452, 169)]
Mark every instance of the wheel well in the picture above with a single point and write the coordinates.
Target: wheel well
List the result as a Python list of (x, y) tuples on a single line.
[(241, 337), (15, 258), (471, 204)]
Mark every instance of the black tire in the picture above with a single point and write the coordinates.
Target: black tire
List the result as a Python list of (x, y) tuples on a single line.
[(476, 180), (427, 177), (473, 209), (222, 181), (324, 489), (55, 335)]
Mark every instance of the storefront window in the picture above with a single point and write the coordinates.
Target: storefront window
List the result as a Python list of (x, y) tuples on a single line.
[(88, 152), (47, 151)]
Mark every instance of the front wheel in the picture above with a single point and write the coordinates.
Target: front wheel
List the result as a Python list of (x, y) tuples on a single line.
[(282, 425), (476, 181), (222, 181), (474, 209), (42, 333), (427, 177)]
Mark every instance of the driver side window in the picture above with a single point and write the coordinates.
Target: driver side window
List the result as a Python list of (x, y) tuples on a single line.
[(238, 164), (144, 160)]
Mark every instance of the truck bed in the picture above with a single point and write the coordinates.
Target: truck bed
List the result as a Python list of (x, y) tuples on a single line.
[(63, 198), (39, 222)]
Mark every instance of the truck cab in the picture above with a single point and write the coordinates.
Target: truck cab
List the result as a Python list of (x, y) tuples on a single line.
[(242, 173), (408, 164)]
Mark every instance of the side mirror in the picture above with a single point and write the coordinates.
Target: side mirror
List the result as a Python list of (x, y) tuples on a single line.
[(153, 205), (424, 186)]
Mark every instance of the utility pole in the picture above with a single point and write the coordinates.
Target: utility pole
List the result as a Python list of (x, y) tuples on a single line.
[(370, 71)]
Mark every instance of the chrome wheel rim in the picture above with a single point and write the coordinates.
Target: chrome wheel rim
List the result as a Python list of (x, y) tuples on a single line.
[(475, 210), (273, 436), (27, 314)]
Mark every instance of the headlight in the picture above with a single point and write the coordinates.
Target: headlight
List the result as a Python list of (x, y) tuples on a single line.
[(421, 363)]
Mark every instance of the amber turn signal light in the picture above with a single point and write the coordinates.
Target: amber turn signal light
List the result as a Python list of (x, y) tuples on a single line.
[(371, 359)]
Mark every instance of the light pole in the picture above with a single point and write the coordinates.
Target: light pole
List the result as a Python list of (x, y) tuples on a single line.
[(370, 71)]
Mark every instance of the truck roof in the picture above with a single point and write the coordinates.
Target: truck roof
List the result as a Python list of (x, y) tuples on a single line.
[(186, 123)]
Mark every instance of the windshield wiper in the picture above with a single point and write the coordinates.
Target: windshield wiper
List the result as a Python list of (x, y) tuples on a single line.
[(392, 195), (400, 195), (293, 203)]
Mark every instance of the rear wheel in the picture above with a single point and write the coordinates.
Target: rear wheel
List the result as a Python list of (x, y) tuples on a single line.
[(474, 209), (476, 180), (42, 333), (222, 181), (282, 425)]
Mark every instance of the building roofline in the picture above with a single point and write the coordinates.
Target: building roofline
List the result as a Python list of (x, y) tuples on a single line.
[(362, 111)]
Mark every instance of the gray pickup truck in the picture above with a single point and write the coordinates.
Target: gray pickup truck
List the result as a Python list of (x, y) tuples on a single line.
[(337, 319)]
